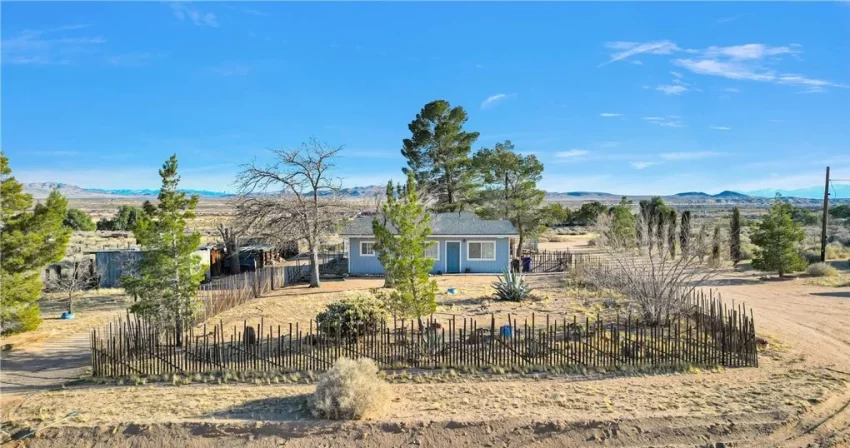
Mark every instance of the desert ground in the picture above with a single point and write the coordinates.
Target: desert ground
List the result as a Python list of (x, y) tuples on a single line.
[(799, 395)]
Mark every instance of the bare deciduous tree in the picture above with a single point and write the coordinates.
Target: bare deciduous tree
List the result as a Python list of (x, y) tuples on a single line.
[(644, 270), (294, 198), (73, 279), (230, 237)]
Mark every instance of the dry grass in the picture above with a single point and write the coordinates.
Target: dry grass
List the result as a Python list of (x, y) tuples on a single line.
[(552, 295), (93, 308), (470, 399), (821, 270)]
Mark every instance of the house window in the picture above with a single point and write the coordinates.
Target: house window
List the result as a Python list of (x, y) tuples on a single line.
[(433, 251), (481, 250), (367, 248)]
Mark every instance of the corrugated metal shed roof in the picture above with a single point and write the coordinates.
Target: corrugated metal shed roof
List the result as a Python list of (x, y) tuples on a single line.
[(444, 224)]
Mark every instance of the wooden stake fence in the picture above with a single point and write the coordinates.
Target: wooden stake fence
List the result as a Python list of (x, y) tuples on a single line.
[(709, 334)]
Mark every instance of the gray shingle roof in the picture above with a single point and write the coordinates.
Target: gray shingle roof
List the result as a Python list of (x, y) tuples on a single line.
[(443, 224)]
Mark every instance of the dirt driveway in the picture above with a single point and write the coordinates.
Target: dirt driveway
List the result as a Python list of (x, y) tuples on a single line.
[(798, 397)]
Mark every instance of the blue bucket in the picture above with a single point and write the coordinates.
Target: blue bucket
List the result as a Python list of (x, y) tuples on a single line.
[(66, 315), (452, 291), (506, 331)]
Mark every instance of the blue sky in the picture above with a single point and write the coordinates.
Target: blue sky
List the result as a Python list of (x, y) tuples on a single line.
[(631, 98)]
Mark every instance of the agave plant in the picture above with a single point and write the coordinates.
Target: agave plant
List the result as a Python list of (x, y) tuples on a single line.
[(511, 286)]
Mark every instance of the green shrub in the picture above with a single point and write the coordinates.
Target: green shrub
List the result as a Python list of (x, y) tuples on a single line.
[(349, 390), (821, 270), (512, 287), (77, 219), (747, 251), (352, 317)]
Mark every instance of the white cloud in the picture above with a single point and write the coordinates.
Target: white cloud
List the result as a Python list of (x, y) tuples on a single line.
[(629, 49), (572, 153), (43, 47), (642, 165), (731, 70), (720, 128), (696, 155), (492, 100), (609, 115), (749, 62), (731, 90), (748, 51), (677, 74), (200, 18), (670, 121), (672, 89)]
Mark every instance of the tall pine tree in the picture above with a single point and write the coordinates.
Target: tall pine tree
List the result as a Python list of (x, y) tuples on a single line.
[(167, 276), (438, 155), (401, 239), (511, 192), (28, 241)]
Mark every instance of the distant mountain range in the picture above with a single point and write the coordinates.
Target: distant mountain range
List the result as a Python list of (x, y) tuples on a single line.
[(837, 191), (42, 189)]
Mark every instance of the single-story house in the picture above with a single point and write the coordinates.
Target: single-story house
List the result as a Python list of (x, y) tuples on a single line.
[(464, 243)]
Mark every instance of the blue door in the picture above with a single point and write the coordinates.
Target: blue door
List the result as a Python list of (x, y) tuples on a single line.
[(453, 258)]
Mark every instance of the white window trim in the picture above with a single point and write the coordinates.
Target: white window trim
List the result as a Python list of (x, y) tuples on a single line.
[(437, 245), (481, 259), (459, 257), (373, 249)]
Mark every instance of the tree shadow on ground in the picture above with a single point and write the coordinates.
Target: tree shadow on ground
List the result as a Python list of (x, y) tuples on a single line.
[(731, 282), (838, 294), (268, 409), (29, 371)]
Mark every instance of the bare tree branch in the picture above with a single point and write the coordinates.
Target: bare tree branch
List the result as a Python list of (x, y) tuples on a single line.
[(294, 198)]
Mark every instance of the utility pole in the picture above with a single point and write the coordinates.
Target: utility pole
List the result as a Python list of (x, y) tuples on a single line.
[(825, 218)]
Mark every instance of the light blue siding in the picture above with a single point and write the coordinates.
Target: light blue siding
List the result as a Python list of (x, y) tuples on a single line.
[(370, 265)]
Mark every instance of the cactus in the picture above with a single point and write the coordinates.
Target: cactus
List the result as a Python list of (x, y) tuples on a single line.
[(511, 286)]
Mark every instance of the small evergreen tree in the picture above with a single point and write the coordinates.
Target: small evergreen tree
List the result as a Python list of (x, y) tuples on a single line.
[(28, 241), (776, 237), (671, 231), (715, 245), (77, 219), (735, 236), (623, 222), (168, 274), (401, 239), (685, 233)]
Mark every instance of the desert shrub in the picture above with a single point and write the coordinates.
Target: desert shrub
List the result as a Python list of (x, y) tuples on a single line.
[(349, 390), (511, 286), (837, 251), (821, 270), (352, 317), (839, 234), (747, 251), (811, 255), (644, 270)]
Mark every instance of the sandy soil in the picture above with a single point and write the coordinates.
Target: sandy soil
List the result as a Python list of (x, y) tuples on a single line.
[(799, 396), (473, 299)]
